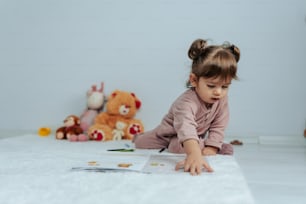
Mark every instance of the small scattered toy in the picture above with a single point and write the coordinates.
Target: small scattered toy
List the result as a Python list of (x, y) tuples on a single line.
[(95, 104), (93, 163), (71, 130), (44, 131), (118, 121), (236, 142), (125, 165)]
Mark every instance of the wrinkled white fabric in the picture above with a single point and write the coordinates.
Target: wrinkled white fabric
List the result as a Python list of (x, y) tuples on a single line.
[(37, 170)]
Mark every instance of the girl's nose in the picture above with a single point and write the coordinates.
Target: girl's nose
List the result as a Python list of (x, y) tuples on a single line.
[(217, 91)]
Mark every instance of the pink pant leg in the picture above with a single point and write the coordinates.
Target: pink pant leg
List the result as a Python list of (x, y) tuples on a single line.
[(150, 140), (226, 149), (176, 147)]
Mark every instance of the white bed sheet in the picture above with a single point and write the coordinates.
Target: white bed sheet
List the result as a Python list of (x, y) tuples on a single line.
[(38, 170)]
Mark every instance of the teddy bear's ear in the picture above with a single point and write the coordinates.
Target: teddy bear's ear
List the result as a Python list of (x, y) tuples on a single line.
[(137, 101), (138, 104), (114, 94)]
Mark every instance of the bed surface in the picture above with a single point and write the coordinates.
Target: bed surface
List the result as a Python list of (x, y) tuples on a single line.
[(39, 170)]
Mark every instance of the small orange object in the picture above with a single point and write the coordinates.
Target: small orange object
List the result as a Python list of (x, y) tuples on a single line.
[(93, 163), (44, 131), (124, 165)]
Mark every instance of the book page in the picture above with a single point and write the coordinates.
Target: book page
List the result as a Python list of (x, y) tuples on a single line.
[(162, 163), (115, 162), (132, 162)]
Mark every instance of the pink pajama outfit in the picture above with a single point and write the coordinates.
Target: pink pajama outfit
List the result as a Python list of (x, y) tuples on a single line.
[(189, 118)]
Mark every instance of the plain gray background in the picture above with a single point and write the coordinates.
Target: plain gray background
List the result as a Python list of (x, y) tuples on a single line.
[(52, 51)]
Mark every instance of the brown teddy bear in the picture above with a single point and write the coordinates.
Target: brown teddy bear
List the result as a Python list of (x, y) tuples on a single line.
[(118, 121), (71, 129)]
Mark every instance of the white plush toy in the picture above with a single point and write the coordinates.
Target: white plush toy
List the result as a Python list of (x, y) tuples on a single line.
[(95, 103)]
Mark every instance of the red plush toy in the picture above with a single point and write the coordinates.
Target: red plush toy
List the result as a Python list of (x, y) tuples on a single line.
[(71, 130)]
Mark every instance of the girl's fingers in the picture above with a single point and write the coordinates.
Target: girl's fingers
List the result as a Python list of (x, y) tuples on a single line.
[(191, 168), (199, 170), (187, 167), (180, 165), (207, 167)]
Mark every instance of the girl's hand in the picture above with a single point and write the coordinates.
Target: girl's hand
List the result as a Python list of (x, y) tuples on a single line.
[(209, 151), (193, 164), (194, 161)]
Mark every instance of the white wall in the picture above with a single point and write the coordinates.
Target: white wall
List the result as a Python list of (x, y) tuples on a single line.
[(52, 51)]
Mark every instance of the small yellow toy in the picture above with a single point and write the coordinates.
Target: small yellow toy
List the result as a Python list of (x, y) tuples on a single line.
[(44, 131)]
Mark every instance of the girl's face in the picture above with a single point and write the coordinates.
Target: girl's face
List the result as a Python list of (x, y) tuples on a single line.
[(210, 90)]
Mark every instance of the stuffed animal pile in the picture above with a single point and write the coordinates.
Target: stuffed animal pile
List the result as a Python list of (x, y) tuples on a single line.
[(75, 128), (118, 121)]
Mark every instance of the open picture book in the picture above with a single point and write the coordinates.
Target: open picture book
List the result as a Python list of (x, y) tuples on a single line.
[(125, 162)]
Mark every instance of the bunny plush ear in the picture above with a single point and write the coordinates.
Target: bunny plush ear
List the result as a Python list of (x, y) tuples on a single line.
[(137, 101), (102, 87)]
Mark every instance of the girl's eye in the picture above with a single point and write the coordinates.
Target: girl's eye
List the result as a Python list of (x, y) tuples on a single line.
[(224, 87), (210, 86)]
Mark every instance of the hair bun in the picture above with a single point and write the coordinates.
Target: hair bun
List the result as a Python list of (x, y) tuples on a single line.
[(196, 48), (236, 52), (233, 49)]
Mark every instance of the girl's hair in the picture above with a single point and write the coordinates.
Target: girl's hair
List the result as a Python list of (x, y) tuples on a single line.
[(213, 61)]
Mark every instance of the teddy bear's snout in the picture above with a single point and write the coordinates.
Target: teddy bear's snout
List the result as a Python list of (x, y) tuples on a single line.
[(124, 109)]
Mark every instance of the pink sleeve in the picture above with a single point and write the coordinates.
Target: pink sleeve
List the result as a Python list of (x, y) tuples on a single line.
[(217, 128), (184, 120)]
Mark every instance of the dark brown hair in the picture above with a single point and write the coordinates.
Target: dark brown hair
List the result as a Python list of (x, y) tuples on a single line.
[(213, 61)]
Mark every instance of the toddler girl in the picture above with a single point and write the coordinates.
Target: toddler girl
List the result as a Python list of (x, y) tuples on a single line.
[(197, 119)]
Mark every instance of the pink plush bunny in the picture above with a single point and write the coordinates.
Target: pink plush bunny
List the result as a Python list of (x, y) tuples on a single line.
[(95, 103)]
